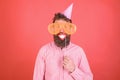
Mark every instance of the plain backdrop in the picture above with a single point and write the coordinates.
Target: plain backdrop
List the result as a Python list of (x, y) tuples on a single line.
[(23, 31)]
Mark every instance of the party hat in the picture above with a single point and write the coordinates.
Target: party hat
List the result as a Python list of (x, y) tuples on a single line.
[(68, 11)]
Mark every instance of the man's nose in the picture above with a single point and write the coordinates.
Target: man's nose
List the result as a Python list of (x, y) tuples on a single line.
[(61, 30)]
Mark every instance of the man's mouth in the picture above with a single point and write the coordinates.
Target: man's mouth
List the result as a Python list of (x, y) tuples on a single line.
[(62, 36)]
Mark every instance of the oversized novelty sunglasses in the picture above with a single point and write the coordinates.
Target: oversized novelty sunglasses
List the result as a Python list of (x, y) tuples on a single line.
[(55, 28)]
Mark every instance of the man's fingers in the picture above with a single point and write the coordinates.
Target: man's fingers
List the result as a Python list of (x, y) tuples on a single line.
[(66, 57), (65, 62), (65, 65)]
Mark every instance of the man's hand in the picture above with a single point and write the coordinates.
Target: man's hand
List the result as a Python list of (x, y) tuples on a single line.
[(68, 64)]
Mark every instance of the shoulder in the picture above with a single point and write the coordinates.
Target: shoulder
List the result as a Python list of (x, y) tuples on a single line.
[(76, 46), (43, 50), (45, 47), (77, 49)]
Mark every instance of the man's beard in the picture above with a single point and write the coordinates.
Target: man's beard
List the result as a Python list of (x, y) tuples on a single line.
[(62, 43)]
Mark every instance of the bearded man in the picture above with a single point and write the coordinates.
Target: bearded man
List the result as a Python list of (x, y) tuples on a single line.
[(61, 59)]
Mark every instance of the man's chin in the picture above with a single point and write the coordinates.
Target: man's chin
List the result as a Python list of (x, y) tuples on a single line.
[(62, 40)]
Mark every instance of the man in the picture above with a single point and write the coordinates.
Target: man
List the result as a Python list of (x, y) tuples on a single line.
[(61, 59)]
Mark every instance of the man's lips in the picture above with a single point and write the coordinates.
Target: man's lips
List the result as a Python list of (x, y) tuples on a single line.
[(62, 36)]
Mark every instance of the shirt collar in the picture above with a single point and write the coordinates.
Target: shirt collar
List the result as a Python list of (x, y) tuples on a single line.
[(56, 47)]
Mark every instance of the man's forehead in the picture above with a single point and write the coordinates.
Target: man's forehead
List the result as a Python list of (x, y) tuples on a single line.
[(61, 21)]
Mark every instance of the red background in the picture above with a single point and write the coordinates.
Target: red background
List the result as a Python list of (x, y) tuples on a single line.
[(23, 30)]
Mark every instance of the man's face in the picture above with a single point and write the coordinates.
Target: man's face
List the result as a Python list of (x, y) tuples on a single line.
[(61, 39)]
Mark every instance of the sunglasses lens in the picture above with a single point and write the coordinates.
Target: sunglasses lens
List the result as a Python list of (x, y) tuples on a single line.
[(55, 28)]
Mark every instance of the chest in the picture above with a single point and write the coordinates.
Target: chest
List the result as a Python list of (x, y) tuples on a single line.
[(54, 59)]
